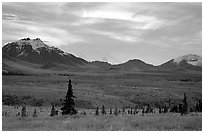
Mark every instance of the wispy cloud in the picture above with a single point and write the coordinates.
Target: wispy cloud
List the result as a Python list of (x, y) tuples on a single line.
[(117, 36), (56, 36), (146, 22), (162, 30)]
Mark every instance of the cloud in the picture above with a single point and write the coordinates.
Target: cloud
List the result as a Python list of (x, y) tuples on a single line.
[(9, 17), (108, 15), (54, 36), (104, 29), (117, 36), (148, 22)]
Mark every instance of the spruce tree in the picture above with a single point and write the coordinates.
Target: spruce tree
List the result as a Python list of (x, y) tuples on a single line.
[(135, 110), (197, 107), (130, 110), (23, 111), (52, 111), (185, 105), (110, 110), (143, 111), (103, 110), (35, 113), (97, 112), (200, 105), (123, 110), (116, 111), (68, 107), (169, 103)]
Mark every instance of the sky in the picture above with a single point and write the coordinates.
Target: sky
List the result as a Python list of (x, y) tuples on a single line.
[(114, 32)]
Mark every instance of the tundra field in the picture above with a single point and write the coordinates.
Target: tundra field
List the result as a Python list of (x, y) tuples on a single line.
[(95, 90)]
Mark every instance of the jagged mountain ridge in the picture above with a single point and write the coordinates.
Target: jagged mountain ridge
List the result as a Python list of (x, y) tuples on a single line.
[(136, 64), (192, 59), (189, 61), (37, 52)]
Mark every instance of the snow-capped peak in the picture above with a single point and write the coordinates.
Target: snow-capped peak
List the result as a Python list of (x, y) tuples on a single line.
[(35, 43), (190, 59)]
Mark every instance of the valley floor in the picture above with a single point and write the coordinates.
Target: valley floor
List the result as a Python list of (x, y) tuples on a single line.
[(125, 122), (96, 90)]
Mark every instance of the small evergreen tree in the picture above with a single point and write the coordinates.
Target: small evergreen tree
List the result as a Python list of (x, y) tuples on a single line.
[(97, 112), (35, 113), (116, 111), (197, 107), (200, 105), (160, 110), (111, 111), (84, 113), (130, 110), (68, 107), (52, 111), (143, 111), (23, 111), (174, 109), (103, 110), (135, 110), (149, 109), (185, 105), (169, 103), (180, 108), (123, 110), (165, 109)]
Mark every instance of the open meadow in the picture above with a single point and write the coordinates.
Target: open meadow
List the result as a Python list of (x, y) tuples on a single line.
[(121, 122), (91, 91)]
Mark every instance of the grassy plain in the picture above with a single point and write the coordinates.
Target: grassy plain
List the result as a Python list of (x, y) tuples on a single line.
[(111, 90), (126, 122)]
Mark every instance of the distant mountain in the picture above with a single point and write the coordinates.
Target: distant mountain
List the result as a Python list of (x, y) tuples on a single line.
[(36, 51), (191, 59), (100, 63), (135, 64), (33, 56), (183, 63)]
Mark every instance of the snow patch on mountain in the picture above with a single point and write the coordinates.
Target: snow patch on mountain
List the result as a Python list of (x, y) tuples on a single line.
[(190, 59), (35, 43)]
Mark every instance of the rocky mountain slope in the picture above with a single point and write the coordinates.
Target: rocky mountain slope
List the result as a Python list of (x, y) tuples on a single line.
[(186, 62), (34, 53)]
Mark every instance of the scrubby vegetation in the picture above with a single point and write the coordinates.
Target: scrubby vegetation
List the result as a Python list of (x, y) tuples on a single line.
[(11, 100)]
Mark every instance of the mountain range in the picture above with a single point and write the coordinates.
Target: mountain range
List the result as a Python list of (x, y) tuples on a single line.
[(33, 55)]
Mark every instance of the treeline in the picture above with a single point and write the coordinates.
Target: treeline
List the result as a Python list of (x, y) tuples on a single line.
[(181, 108), (13, 73), (11, 100)]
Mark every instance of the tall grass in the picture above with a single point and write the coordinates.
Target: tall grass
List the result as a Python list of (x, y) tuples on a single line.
[(90, 122)]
